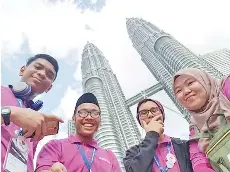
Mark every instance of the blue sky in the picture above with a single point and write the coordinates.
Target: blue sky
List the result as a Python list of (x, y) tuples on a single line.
[(62, 28)]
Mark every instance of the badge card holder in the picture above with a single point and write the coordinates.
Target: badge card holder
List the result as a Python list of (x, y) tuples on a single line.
[(17, 154)]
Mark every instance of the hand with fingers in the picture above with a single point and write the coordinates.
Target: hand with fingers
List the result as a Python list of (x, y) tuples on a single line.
[(58, 167), (155, 124), (32, 122)]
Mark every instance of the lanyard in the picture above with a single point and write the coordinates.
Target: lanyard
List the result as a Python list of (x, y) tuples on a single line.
[(157, 160), (88, 165), (20, 103)]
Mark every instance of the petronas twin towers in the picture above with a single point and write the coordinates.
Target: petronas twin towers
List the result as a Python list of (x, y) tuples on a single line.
[(162, 54), (118, 130)]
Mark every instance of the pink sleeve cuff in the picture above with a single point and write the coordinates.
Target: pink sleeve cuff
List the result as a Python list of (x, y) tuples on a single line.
[(203, 167)]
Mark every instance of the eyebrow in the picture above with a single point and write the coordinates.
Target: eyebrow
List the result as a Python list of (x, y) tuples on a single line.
[(88, 109), (48, 70), (150, 108), (184, 82)]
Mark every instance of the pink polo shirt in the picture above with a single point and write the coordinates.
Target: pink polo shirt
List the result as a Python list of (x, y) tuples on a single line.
[(198, 159), (66, 152), (161, 153), (8, 99), (226, 88)]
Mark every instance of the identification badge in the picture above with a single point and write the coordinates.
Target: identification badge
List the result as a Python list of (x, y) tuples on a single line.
[(169, 164), (170, 157), (17, 155)]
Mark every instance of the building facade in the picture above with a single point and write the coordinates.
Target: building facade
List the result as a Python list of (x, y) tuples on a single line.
[(164, 55), (118, 130), (71, 128), (218, 59)]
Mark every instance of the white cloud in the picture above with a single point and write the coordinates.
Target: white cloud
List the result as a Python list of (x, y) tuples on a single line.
[(67, 105)]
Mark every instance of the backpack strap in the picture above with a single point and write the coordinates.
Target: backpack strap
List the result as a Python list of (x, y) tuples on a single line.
[(197, 133), (199, 136), (209, 133), (223, 122)]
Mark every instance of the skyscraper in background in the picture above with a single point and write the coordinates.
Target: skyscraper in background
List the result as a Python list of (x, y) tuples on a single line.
[(218, 59), (118, 130), (164, 55), (71, 127)]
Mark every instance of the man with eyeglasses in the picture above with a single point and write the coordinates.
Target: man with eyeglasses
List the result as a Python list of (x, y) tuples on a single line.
[(80, 152), (157, 152)]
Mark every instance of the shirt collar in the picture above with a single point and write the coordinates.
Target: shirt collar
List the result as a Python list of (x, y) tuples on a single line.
[(75, 139), (165, 140)]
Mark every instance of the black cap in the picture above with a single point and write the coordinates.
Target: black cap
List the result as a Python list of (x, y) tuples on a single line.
[(86, 98)]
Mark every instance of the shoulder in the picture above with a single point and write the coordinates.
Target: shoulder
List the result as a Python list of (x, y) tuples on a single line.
[(57, 142), (108, 152), (226, 81), (178, 140), (133, 148), (5, 89), (107, 155), (226, 87)]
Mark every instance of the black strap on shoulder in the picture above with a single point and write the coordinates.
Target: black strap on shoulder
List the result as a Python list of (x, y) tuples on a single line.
[(181, 148)]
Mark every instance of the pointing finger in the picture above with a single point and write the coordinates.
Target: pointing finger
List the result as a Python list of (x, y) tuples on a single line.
[(156, 118), (28, 134), (53, 118)]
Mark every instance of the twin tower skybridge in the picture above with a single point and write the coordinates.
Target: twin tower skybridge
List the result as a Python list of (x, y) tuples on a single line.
[(148, 93)]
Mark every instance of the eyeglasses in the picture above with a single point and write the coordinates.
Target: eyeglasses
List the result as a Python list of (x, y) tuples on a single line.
[(144, 113), (85, 113)]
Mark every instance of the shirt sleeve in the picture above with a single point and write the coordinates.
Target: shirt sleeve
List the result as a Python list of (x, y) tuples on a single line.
[(198, 159), (140, 158), (226, 88), (48, 155), (115, 163)]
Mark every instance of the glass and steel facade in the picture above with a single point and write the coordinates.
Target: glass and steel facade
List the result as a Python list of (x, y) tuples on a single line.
[(71, 127), (219, 59), (163, 55), (118, 130)]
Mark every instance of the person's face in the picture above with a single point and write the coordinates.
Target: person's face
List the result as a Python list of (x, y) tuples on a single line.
[(189, 92), (148, 110), (39, 74), (87, 119)]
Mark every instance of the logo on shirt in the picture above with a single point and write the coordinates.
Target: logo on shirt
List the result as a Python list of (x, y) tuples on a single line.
[(103, 159)]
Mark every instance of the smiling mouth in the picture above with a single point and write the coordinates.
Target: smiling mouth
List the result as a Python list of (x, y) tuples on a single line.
[(38, 80), (189, 97), (88, 125)]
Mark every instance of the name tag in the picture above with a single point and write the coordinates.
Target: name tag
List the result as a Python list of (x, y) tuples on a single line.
[(17, 155)]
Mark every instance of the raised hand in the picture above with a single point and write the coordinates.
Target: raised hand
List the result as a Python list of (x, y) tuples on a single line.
[(32, 121), (154, 125)]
